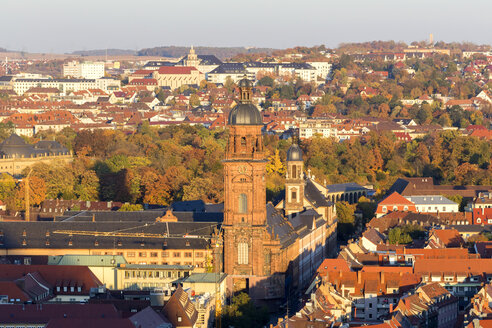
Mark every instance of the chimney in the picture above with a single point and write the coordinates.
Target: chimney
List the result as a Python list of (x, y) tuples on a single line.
[(93, 217), (382, 277), (391, 307), (359, 277)]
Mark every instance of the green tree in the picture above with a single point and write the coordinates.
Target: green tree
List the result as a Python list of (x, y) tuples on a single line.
[(266, 81), (397, 237), (242, 313)]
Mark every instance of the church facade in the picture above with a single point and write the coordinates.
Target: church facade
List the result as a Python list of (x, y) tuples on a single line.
[(269, 250)]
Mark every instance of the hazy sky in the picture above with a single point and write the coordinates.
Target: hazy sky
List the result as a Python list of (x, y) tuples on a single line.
[(68, 25)]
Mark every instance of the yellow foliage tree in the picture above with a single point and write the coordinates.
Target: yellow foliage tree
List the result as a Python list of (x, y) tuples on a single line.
[(275, 164)]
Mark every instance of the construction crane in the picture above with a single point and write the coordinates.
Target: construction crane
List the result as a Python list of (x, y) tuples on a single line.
[(27, 215), (218, 301), (125, 233)]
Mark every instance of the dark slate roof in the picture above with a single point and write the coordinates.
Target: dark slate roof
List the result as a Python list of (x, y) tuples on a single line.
[(189, 206), (245, 114), (260, 64), (229, 68), (303, 223), (148, 216), (294, 153), (345, 187), (13, 235), (111, 216), (6, 78), (52, 146), (279, 227), (16, 146), (314, 196), (204, 60), (157, 63)]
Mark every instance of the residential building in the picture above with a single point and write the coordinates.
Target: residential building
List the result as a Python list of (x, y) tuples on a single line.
[(444, 238), (233, 71), (373, 294), (21, 85), (48, 283), (426, 186), (180, 311), (431, 305), (482, 215), (433, 204), (461, 278), (394, 203), (84, 70)]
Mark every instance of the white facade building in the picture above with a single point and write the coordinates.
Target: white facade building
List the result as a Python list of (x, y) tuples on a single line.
[(323, 69), (433, 204), (66, 85), (85, 70)]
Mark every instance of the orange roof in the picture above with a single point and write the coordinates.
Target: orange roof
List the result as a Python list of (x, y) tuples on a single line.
[(453, 265), (448, 237), (371, 268), (333, 265), (395, 199)]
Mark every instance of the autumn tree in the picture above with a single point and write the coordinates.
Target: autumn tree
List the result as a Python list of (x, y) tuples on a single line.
[(37, 192), (275, 164)]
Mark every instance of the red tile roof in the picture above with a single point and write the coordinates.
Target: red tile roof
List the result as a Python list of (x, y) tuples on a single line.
[(36, 313), (176, 70), (12, 291), (55, 275), (90, 322), (333, 265)]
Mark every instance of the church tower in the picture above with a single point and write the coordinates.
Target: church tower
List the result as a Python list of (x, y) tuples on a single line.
[(294, 181), (192, 59), (244, 190)]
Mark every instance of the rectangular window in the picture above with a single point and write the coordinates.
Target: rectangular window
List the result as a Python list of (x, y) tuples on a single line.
[(188, 254), (153, 254), (199, 254), (242, 250), (130, 254), (176, 254), (142, 254), (164, 254)]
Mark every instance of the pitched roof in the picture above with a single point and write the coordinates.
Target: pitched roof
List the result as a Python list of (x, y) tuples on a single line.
[(333, 265), (395, 199), (448, 237), (176, 70), (53, 275), (90, 322), (36, 313), (475, 266)]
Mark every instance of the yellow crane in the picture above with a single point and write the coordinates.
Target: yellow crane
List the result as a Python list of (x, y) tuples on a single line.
[(27, 215)]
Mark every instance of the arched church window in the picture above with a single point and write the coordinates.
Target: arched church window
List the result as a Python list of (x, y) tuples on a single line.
[(243, 203), (294, 172), (242, 253), (243, 141)]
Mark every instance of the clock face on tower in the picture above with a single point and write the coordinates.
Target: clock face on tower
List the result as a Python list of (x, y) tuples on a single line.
[(242, 169)]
